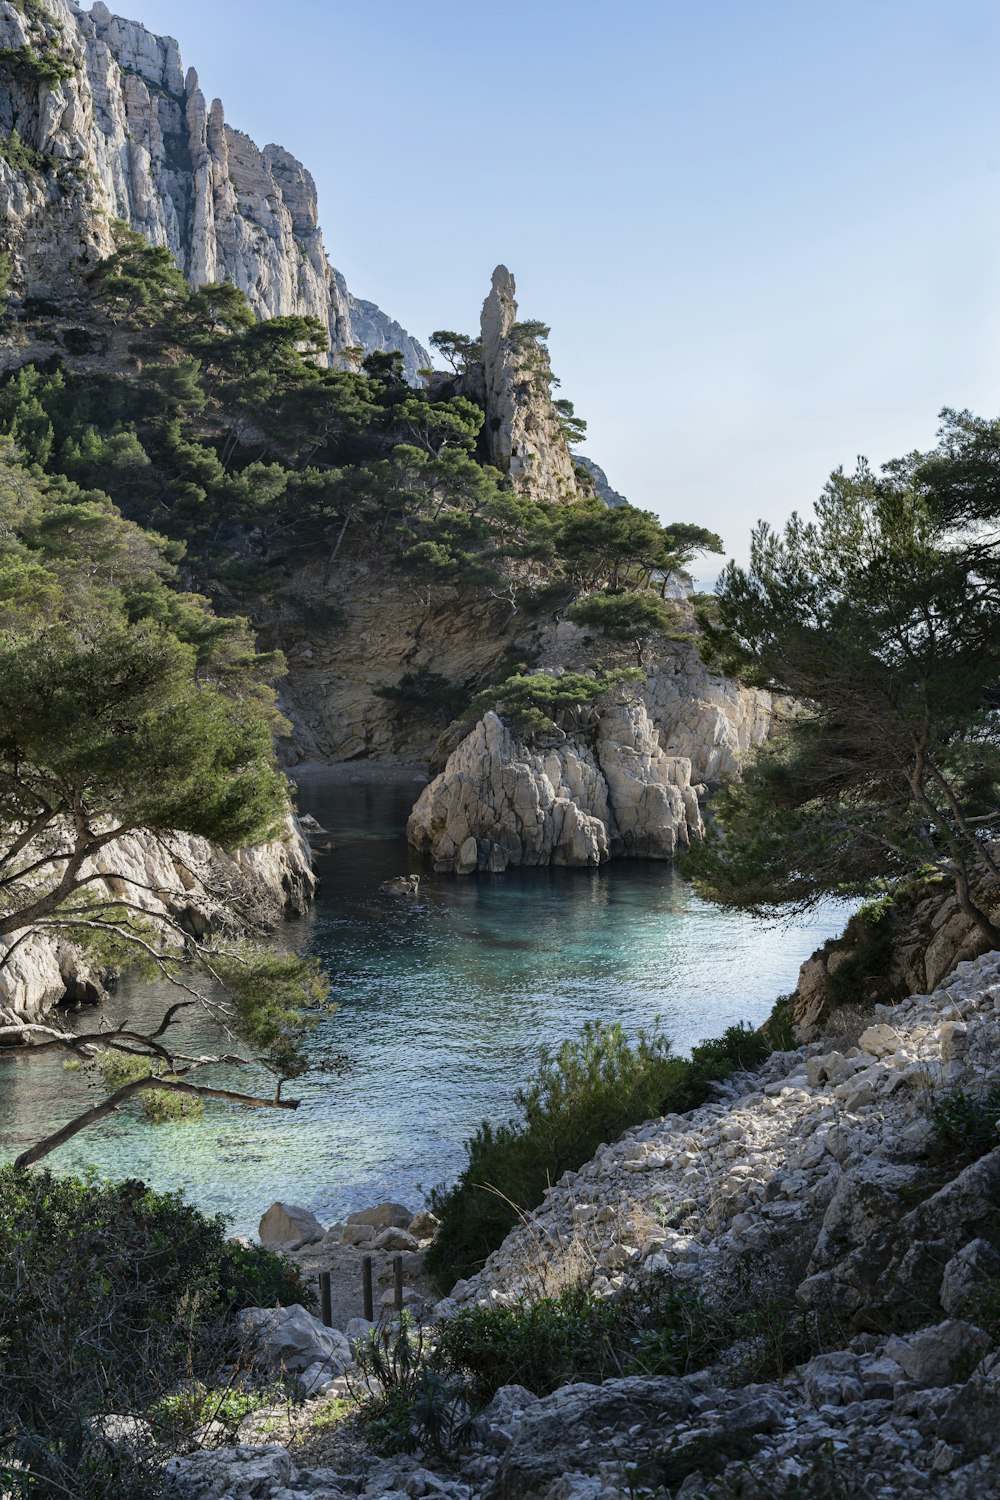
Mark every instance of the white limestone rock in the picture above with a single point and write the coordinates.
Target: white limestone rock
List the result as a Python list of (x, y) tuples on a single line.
[(175, 877), (131, 137), (523, 430), (289, 1224), (499, 802)]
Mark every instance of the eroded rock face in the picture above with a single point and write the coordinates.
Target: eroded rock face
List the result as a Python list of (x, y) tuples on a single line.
[(176, 876), (127, 134), (929, 936), (500, 803), (524, 436)]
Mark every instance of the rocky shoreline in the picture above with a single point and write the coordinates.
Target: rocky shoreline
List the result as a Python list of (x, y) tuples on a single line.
[(817, 1176), (176, 877)]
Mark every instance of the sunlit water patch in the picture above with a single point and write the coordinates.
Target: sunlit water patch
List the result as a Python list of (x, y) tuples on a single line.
[(444, 1001)]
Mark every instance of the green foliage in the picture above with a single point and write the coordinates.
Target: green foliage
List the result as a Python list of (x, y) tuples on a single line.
[(6, 273), (25, 63), (779, 1028), (628, 616), (275, 1000), (425, 692), (160, 1107), (21, 157), (408, 1403), (656, 1327), (457, 348), (866, 972), (534, 703), (967, 1124), (739, 1049), (132, 1292), (879, 616), (585, 1093), (196, 1404)]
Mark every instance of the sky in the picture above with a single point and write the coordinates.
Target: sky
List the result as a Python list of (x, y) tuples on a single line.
[(765, 233)]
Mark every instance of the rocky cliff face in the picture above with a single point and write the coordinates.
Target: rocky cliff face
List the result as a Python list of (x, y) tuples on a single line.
[(178, 877), (523, 434), (335, 673), (609, 792), (109, 126)]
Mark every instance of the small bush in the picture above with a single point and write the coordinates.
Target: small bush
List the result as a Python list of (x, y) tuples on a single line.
[(658, 1327), (586, 1093), (537, 704), (408, 1400), (779, 1028), (158, 1105), (967, 1123), (425, 692), (110, 1296)]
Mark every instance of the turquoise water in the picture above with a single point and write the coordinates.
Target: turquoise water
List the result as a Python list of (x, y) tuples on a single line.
[(443, 1003)]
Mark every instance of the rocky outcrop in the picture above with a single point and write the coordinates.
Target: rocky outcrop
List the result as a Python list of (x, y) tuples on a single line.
[(338, 672), (904, 948), (711, 720), (181, 879), (523, 434), (114, 128), (580, 801), (600, 482)]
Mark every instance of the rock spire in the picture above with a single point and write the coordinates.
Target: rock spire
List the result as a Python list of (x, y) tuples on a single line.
[(524, 435)]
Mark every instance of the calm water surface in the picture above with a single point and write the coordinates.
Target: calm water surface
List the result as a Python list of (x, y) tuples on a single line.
[(443, 1002)]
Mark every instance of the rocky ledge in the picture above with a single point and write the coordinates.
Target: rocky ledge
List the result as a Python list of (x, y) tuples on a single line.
[(609, 790), (174, 876)]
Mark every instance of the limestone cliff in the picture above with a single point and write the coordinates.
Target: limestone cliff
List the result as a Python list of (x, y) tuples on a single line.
[(523, 434), (903, 947), (177, 876), (608, 792), (109, 126), (337, 671)]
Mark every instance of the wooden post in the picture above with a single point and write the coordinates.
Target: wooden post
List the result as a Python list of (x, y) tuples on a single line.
[(397, 1271), (325, 1299), (366, 1273)]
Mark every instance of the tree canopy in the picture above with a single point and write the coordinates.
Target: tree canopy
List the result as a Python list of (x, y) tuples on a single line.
[(126, 705), (880, 618)]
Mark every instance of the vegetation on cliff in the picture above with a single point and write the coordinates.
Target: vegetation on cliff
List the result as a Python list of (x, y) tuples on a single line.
[(228, 435)]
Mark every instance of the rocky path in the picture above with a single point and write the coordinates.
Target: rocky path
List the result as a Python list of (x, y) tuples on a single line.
[(818, 1178)]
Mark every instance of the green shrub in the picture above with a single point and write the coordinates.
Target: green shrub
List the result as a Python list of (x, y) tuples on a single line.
[(535, 703), (159, 1106), (967, 1123), (110, 1295), (424, 692), (45, 67), (779, 1028), (408, 1400), (658, 1327), (21, 157), (586, 1093)]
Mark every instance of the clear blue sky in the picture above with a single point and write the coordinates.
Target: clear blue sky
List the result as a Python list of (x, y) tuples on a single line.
[(766, 233)]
